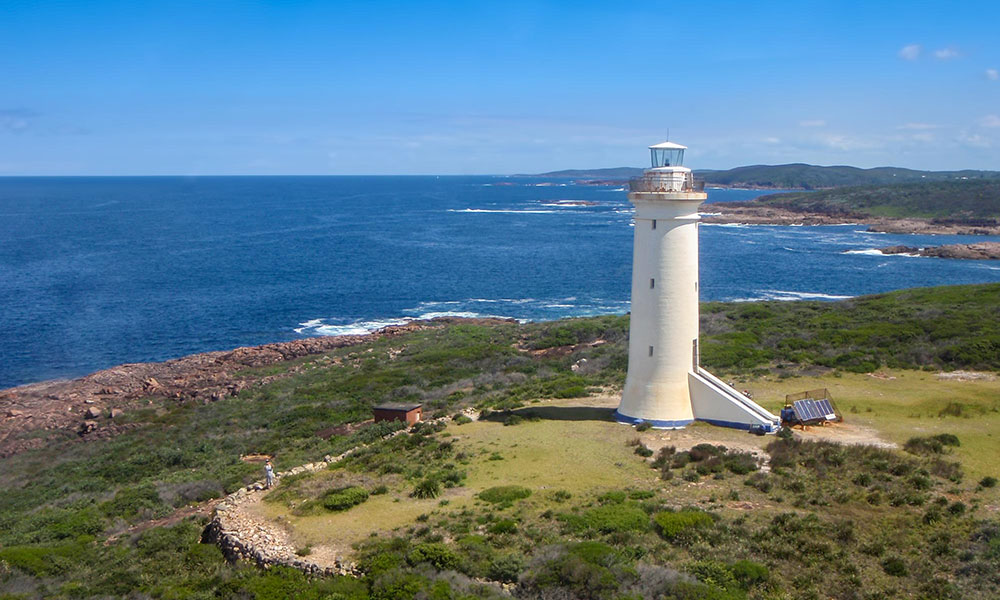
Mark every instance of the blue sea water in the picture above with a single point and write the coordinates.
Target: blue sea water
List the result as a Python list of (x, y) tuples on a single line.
[(99, 271)]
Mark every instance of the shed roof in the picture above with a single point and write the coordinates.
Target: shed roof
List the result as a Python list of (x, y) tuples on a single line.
[(667, 146), (397, 406)]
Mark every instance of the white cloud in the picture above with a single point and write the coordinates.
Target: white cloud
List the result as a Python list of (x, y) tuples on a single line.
[(812, 123), (772, 140), (990, 121), (992, 74), (917, 126), (946, 53), (974, 140), (923, 137), (910, 52)]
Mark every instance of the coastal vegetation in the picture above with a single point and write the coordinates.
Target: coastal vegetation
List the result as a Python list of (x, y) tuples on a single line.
[(557, 502), (974, 201)]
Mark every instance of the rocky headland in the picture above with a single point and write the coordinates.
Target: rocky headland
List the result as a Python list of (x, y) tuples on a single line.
[(751, 213), (96, 406)]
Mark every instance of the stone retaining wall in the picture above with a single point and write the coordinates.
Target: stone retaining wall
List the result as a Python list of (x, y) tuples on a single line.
[(242, 537)]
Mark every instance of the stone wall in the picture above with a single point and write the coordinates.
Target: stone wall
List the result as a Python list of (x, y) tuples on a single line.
[(243, 537)]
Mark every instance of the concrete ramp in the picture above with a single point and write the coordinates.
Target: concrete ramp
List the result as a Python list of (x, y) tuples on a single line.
[(716, 402)]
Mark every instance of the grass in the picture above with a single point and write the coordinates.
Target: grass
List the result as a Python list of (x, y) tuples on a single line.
[(900, 404)]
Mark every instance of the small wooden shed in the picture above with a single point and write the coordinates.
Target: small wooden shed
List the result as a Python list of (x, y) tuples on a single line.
[(410, 413)]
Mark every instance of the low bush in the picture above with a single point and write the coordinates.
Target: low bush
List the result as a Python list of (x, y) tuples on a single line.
[(675, 525), (503, 526), (894, 566), (343, 498), (935, 444), (643, 451), (506, 568), (437, 554), (504, 493)]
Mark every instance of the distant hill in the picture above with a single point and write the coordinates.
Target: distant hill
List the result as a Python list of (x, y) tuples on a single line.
[(609, 173), (966, 201), (816, 177), (792, 176)]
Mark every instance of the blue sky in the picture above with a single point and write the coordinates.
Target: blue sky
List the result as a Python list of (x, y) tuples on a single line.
[(124, 88)]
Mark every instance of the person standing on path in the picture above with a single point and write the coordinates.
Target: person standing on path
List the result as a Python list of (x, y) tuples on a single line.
[(269, 473)]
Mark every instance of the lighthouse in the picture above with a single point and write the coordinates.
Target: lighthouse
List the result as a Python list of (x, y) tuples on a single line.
[(665, 385)]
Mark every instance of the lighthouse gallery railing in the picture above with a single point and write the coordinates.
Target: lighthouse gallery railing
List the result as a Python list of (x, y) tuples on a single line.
[(660, 183)]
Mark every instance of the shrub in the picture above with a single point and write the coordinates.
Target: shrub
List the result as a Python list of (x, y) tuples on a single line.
[(644, 426), (427, 488), (613, 518), (674, 525), (663, 457), (437, 554), (643, 450), (612, 497), (504, 493), (561, 495), (894, 566), (376, 431), (749, 574), (760, 481), (931, 444), (503, 526), (506, 568), (641, 494), (705, 451), (461, 419), (988, 482), (130, 502), (344, 498)]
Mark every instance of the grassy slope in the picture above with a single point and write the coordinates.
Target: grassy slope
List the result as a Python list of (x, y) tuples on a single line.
[(56, 498), (962, 201)]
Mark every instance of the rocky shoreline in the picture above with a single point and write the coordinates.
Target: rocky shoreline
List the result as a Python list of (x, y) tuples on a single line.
[(96, 406), (747, 213), (980, 251)]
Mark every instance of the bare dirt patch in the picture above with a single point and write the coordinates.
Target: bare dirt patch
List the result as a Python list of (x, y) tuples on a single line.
[(844, 433)]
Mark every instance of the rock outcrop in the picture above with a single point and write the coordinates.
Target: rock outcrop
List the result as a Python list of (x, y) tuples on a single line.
[(206, 377), (980, 251)]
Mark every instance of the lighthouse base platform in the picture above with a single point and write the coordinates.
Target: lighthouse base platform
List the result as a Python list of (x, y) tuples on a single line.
[(714, 401)]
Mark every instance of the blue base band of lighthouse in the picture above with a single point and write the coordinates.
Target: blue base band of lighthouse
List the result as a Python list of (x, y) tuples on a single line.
[(658, 424), (655, 423)]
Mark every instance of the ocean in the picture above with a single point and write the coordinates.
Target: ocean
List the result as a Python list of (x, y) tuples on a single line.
[(99, 271)]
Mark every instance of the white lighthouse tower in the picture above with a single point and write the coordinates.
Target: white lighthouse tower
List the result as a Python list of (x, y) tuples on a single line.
[(665, 385)]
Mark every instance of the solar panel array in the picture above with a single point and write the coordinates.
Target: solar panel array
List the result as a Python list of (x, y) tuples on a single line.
[(813, 410)]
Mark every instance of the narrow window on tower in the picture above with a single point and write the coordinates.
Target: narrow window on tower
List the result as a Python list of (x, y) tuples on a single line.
[(696, 286), (652, 283), (650, 350), (654, 223)]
